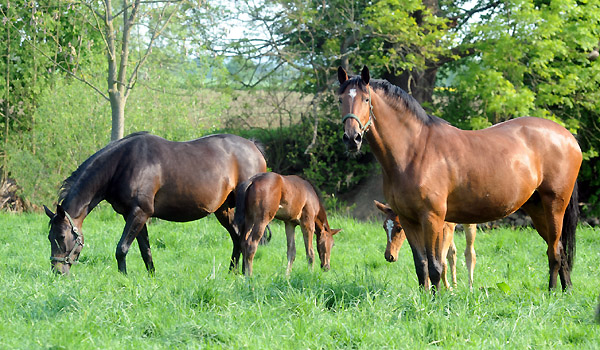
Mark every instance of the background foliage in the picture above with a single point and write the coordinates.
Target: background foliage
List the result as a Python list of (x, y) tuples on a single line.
[(267, 70)]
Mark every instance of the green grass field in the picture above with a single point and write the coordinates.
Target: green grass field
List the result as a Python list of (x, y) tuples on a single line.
[(363, 302)]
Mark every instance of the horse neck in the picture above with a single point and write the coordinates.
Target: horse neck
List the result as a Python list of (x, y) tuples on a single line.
[(86, 192), (395, 134)]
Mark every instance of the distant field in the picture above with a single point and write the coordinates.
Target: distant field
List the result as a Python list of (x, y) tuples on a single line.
[(364, 302)]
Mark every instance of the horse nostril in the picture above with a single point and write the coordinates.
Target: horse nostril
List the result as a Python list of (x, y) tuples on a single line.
[(346, 138), (357, 139)]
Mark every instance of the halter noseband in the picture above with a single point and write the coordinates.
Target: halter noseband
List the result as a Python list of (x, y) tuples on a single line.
[(363, 128), (69, 259)]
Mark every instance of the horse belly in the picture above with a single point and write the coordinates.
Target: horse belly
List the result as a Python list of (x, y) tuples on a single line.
[(489, 207), (188, 206)]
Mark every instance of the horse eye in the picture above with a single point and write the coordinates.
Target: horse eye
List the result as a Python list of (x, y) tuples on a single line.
[(367, 100)]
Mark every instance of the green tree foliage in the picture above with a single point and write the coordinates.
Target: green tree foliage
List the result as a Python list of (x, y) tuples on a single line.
[(498, 59), (532, 58)]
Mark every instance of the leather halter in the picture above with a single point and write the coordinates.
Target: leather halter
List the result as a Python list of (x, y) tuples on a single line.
[(69, 259), (363, 128)]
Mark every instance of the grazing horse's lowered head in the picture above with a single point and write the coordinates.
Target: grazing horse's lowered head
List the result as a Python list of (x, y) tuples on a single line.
[(394, 231), (66, 240)]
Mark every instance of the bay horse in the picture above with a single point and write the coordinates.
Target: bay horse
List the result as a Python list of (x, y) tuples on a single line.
[(434, 172), (291, 199), (396, 236), (143, 176)]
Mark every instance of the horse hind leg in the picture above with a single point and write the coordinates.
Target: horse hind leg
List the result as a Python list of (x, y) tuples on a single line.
[(291, 246), (470, 257), (545, 215), (225, 216), (250, 244), (144, 244)]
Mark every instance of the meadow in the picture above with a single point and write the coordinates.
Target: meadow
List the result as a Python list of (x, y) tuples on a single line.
[(363, 302)]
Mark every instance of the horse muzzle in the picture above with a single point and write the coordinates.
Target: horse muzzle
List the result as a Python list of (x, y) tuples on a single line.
[(60, 268), (390, 258), (352, 142)]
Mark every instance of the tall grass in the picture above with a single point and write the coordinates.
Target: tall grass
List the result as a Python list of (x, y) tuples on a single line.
[(363, 302)]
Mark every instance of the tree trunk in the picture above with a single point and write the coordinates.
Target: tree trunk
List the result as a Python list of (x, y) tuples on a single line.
[(117, 106), (6, 99)]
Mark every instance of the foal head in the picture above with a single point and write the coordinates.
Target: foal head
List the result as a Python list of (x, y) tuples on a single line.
[(325, 242), (355, 104), (393, 230), (66, 240)]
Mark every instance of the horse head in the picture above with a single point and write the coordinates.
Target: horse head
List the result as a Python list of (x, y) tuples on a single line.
[(66, 240), (355, 104), (393, 229), (324, 244)]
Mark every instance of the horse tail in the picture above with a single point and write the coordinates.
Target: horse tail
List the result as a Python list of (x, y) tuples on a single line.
[(266, 238), (239, 217), (570, 219)]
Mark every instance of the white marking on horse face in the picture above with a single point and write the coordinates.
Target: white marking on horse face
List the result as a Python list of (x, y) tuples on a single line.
[(352, 94), (389, 226)]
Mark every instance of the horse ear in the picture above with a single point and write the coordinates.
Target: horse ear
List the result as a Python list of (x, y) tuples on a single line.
[(383, 207), (365, 76), (333, 232), (48, 212), (342, 75), (60, 212)]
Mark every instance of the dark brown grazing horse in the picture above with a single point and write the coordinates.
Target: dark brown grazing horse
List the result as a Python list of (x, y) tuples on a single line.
[(145, 176), (293, 200), (434, 172), (395, 238)]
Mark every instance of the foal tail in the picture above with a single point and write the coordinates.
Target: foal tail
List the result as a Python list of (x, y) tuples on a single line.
[(570, 219), (239, 217)]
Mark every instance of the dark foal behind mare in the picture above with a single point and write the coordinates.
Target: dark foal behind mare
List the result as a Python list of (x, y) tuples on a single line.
[(293, 200), (434, 172), (145, 176), (395, 238)]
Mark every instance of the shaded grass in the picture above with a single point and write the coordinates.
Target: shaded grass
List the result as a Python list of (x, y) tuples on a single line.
[(362, 303)]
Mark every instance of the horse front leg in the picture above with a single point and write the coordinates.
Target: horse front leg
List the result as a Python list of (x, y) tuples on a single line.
[(414, 236), (134, 223), (433, 235), (144, 244)]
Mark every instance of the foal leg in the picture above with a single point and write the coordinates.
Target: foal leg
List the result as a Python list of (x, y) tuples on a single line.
[(451, 256), (135, 221), (250, 244), (470, 258), (308, 229), (144, 244), (291, 245), (449, 253)]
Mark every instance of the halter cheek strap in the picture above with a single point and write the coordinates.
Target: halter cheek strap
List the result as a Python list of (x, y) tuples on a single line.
[(363, 128), (71, 259)]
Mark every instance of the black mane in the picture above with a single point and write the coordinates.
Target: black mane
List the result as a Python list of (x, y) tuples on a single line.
[(395, 95), (70, 181)]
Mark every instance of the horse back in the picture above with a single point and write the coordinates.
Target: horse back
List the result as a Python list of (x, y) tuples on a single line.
[(184, 181)]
